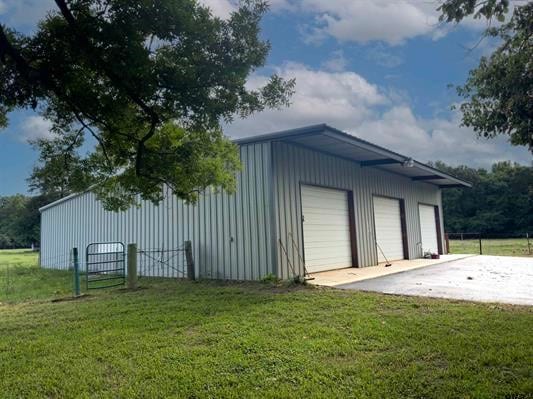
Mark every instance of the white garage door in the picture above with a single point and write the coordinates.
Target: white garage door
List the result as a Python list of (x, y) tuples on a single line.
[(326, 227), (428, 228), (388, 229)]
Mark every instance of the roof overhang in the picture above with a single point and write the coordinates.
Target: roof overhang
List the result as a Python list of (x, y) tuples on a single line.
[(64, 199), (325, 139)]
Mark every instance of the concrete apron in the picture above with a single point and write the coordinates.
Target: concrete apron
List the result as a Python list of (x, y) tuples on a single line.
[(353, 274)]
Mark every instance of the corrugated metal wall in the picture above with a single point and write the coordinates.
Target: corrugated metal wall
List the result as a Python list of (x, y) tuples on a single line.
[(294, 165), (230, 234), (236, 236)]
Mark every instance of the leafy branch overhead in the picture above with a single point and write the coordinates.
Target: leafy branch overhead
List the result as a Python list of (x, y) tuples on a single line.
[(498, 94), (150, 81), (457, 10)]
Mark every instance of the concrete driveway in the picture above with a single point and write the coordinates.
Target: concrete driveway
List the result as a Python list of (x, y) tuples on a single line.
[(478, 278)]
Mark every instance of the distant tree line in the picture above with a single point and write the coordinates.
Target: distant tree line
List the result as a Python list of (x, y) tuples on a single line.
[(500, 201), (55, 175), (20, 220)]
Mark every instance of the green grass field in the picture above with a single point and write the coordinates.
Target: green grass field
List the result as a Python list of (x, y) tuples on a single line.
[(21, 278), (211, 339), (501, 247)]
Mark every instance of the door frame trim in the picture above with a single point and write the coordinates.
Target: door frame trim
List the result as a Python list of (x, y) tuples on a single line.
[(439, 232)]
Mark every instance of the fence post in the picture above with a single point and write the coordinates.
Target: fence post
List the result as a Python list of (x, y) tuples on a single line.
[(76, 271), (528, 244), (480, 248), (447, 239), (132, 266), (190, 261), (7, 281)]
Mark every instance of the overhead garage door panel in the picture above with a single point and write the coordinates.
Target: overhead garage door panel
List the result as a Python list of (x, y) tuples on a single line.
[(388, 226), (428, 228), (326, 228)]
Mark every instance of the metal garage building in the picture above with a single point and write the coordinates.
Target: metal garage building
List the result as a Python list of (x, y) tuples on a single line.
[(313, 196)]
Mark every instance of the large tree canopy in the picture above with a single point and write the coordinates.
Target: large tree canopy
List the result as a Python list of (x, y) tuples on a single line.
[(60, 169), (151, 81), (499, 202), (498, 94)]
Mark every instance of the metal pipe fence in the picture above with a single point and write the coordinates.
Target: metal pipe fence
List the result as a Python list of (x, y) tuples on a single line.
[(161, 262), (99, 265), (503, 244), (152, 262)]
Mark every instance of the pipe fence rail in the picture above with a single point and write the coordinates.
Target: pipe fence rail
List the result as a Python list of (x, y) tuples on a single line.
[(161, 262), (92, 266), (503, 244), (105, 265)]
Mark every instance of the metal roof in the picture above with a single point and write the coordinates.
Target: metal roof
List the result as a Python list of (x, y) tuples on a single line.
[(64, 199), (327, 139)]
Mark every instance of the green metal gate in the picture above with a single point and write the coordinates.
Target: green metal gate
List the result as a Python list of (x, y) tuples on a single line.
[(105, 265)]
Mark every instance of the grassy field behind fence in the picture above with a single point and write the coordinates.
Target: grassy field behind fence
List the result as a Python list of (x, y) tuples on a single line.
[(21, 279), (210, 339), (500, 246)]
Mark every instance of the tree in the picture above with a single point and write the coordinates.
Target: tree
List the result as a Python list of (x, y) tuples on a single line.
[(151, 81), (11, 208), (60, 169), (28, 225), (498, 94), (499, 202)]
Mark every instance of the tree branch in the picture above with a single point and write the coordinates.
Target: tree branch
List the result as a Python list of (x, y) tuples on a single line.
[(115, 79), (139, 160), (98, 138), (22, 65), (99, 62), (71, 146)]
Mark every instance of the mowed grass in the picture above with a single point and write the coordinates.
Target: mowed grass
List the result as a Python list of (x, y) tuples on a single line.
[(501, 247), (239, 340)]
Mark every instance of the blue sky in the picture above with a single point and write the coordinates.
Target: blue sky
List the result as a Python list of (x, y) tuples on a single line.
[(377, 69)]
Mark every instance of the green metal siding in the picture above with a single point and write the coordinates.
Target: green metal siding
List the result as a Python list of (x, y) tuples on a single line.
[(294, 165)]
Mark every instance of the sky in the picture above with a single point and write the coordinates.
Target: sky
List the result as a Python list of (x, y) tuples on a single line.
[(378, 69)]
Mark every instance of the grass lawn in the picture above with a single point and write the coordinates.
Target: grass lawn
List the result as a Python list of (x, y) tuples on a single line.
[(211, 339), (22, 279), (502, 246)]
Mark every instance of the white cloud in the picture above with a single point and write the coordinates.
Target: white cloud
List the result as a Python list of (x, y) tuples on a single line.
[(345, 100), (220, 8), (34, 127), (383, 57), (224, 8), (337, 62), (340, 98), (366, 21), (391, 22), (460, 145), (396, 129), (440, 138)]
